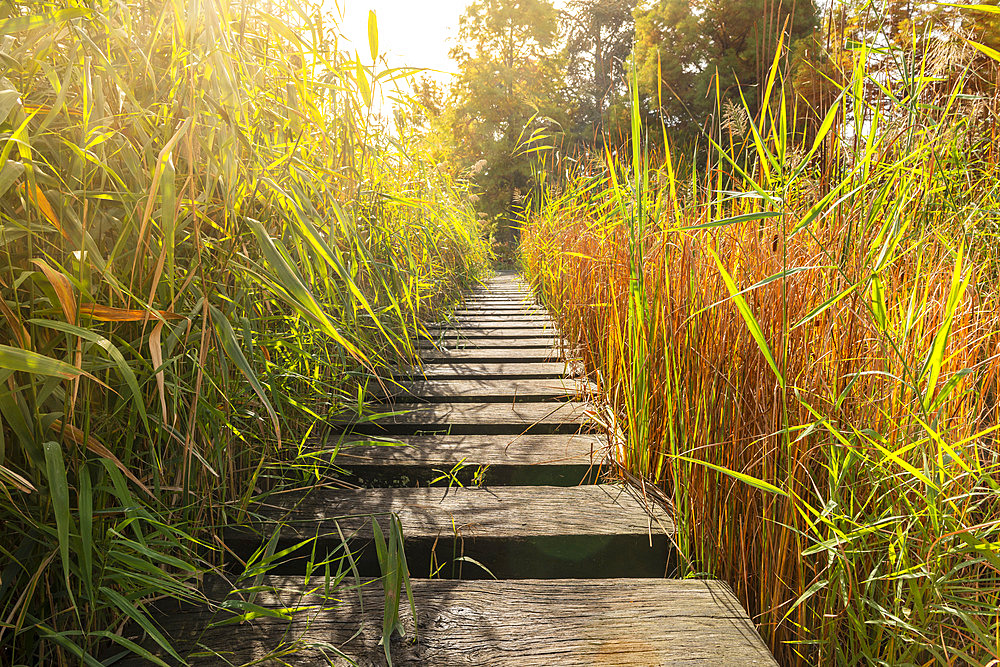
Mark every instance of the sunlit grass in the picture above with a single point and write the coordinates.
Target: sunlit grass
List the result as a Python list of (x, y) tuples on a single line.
[(206, 246), (801, 343)]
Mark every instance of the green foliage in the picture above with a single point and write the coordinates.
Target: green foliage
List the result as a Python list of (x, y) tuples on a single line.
[(599, 35), (800, 346), (508, 87), (688, 53), (206, 244)]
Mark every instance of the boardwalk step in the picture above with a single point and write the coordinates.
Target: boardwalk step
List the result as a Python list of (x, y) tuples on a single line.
[(513, 460), (476, 418), (475, 389), (493, 355), (498, 310), (487, 342), (488, 332), (514, 532), (457, 370), (634, 622), (487, 321)]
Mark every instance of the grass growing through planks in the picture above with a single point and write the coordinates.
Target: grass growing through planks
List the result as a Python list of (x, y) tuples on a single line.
[(205, 243), (800, 338)]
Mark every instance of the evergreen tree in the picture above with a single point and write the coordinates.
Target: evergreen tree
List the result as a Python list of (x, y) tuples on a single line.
[(686, 50)]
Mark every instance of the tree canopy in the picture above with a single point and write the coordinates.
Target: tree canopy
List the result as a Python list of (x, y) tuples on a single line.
[(688, 51), (509, 73)]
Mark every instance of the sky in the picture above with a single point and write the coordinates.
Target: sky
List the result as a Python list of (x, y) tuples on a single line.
[(412, 33)]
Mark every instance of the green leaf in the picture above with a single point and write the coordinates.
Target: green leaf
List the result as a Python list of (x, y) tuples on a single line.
[(748, 318), (137, 614), (362, 80), (826, 305), (991, 52), (373, 34), (17, 359), (11, 171), (762, 215), (113, 352), (233, 350), (35, 21), (740, 476), (55, 469), (296, 290)]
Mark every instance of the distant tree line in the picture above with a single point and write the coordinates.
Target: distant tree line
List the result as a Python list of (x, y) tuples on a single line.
[(533, 77)]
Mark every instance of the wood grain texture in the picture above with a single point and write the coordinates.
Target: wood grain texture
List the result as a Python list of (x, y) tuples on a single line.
[(487, 342), (477, 418), (495, 355), (501, 302), (483, 370), (500, 512), (527, 623), (500, 310), (504, 389), (543, 323), (508, 532), (414, 460), (527, 450), (491, 332)]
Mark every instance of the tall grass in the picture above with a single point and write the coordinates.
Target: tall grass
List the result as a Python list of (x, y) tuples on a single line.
[(207, 243), (800, 338)]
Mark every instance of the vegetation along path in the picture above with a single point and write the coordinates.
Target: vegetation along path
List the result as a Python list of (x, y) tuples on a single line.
[(522, 558)]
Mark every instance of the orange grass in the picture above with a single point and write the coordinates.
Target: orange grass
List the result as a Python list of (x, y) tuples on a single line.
[(841, 471)]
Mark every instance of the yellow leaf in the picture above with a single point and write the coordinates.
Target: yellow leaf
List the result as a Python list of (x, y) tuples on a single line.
[(62, 286)]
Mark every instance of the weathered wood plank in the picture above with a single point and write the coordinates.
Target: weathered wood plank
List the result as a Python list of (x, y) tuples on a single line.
[(478, 315), (542, 324), (539, 460), (495, 332), (516, 532), (499, 313), (496, 321), (572, 623), (486, 450), (457, 370), (502, 308), (493, 355), (470, 325), (478, 342), (501, 389), (470, 418), (493, 512)]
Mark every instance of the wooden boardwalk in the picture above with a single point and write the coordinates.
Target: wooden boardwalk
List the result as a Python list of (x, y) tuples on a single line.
[(580, 566)]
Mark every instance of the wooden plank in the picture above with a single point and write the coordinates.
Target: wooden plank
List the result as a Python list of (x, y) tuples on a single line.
[(517, 532), (491, 314), (501, 294), (457, 370), (478, 323), (500, 318), (529, 449), (506, 304), (501, 389), (499, 511), (565, 622), (498, 311), (493, 355), (551, 343), (469, 418), (546, 460), (496, 332)]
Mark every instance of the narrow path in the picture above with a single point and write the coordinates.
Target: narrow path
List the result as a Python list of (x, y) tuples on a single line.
[(579, 565)]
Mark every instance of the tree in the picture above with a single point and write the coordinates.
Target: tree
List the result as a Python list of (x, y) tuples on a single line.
[(509, 74), (687, 49), (599, 36)]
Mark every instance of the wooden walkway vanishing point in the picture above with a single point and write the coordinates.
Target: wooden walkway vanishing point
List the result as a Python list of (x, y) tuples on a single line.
[(581, 566)]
